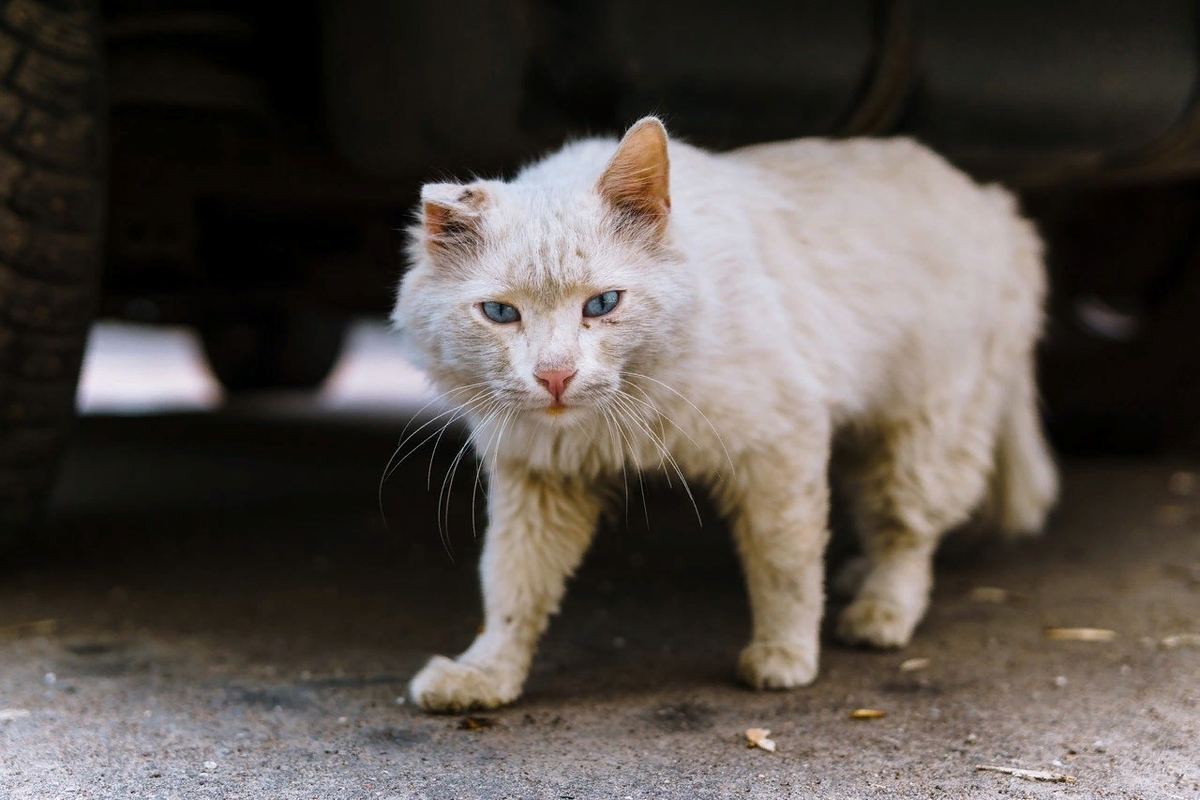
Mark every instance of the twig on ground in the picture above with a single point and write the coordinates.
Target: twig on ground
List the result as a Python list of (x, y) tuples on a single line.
[(1028, 774)]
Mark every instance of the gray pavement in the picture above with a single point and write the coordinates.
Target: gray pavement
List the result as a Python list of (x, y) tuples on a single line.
[(229, 618)]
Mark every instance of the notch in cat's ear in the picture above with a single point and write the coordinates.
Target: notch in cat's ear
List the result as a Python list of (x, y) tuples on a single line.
[(451, 214), (636, 181)]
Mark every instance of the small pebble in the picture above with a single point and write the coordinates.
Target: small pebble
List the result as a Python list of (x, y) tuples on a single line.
[(210, 765), (1060, 681), (1099, 746), (618, 642), (400, 700), (49, 679), (343, 720)]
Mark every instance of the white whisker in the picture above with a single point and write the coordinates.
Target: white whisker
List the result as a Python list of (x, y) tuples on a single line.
[(620, 402), (387, 469), (448, 481), (608, 423), (455, 414), (649, 404), (498, 433), (490, 403), (713, 428)]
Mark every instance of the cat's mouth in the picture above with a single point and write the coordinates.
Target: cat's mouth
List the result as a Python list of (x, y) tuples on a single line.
[(559, 410)]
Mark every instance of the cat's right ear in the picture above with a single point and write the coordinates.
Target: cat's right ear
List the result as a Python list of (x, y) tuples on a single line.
[(451, 215), (636, 182)]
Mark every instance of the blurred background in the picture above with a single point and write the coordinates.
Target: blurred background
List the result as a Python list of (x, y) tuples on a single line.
[(208, 197)]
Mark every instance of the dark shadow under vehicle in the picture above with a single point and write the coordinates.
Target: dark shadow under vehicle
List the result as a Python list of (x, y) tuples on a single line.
[(256, 164)]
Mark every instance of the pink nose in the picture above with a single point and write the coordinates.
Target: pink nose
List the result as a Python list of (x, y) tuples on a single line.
[(555, 381)]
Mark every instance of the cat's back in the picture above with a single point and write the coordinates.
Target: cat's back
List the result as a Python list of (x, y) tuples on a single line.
[(894, 208), (879, 245), (821, 165)]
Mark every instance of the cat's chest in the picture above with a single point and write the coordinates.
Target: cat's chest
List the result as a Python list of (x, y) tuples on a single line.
[(608, 447)]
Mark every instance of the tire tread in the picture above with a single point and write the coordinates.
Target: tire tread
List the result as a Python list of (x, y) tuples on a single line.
[(51, 206)]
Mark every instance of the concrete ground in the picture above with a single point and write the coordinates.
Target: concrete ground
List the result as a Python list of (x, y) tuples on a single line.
[(226, 616)]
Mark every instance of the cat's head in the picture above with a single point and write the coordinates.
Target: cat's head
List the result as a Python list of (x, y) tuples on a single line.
[(542, 294)]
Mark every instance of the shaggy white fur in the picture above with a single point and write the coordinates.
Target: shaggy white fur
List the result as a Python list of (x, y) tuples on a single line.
[(771, 300)]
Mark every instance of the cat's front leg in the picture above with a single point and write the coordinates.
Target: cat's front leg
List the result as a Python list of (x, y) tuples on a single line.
[(539, 528), (781, 530)]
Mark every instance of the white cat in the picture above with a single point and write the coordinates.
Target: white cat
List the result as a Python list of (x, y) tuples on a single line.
[(594, 318)]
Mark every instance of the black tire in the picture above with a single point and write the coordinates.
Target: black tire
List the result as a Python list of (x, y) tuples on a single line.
[(260, 349), (51, 212)]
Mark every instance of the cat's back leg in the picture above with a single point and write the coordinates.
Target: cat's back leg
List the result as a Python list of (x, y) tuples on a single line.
[(918, 474)]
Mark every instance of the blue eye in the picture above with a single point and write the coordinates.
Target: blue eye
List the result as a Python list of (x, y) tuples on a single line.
[(502, 313), (601, 304)]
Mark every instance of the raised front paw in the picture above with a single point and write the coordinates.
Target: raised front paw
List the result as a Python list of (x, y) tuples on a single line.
[(771, 665), (877, 622), (450, 686)]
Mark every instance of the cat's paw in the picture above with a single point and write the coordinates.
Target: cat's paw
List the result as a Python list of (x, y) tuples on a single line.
[(772, 665), (877, 622), (450, 686)]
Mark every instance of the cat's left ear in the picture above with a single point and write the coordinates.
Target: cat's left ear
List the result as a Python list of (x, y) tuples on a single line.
[(451, 214), (637, 180)]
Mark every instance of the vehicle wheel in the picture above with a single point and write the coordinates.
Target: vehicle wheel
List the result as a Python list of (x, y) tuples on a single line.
[(272, 348), (51, 210)]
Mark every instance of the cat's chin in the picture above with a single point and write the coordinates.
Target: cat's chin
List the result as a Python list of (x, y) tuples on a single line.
[(558, 416)]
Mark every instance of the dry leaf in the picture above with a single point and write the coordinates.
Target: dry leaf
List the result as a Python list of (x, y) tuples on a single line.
[(1028, 774), (867, 713), (1080, 634), (475, 723), (1181, 640), (757, 737), (989, 594), (914, 664)]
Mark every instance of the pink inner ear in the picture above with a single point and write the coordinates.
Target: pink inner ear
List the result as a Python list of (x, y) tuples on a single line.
[(447, 224), (436, 216), (450, 212), (637, 179)]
